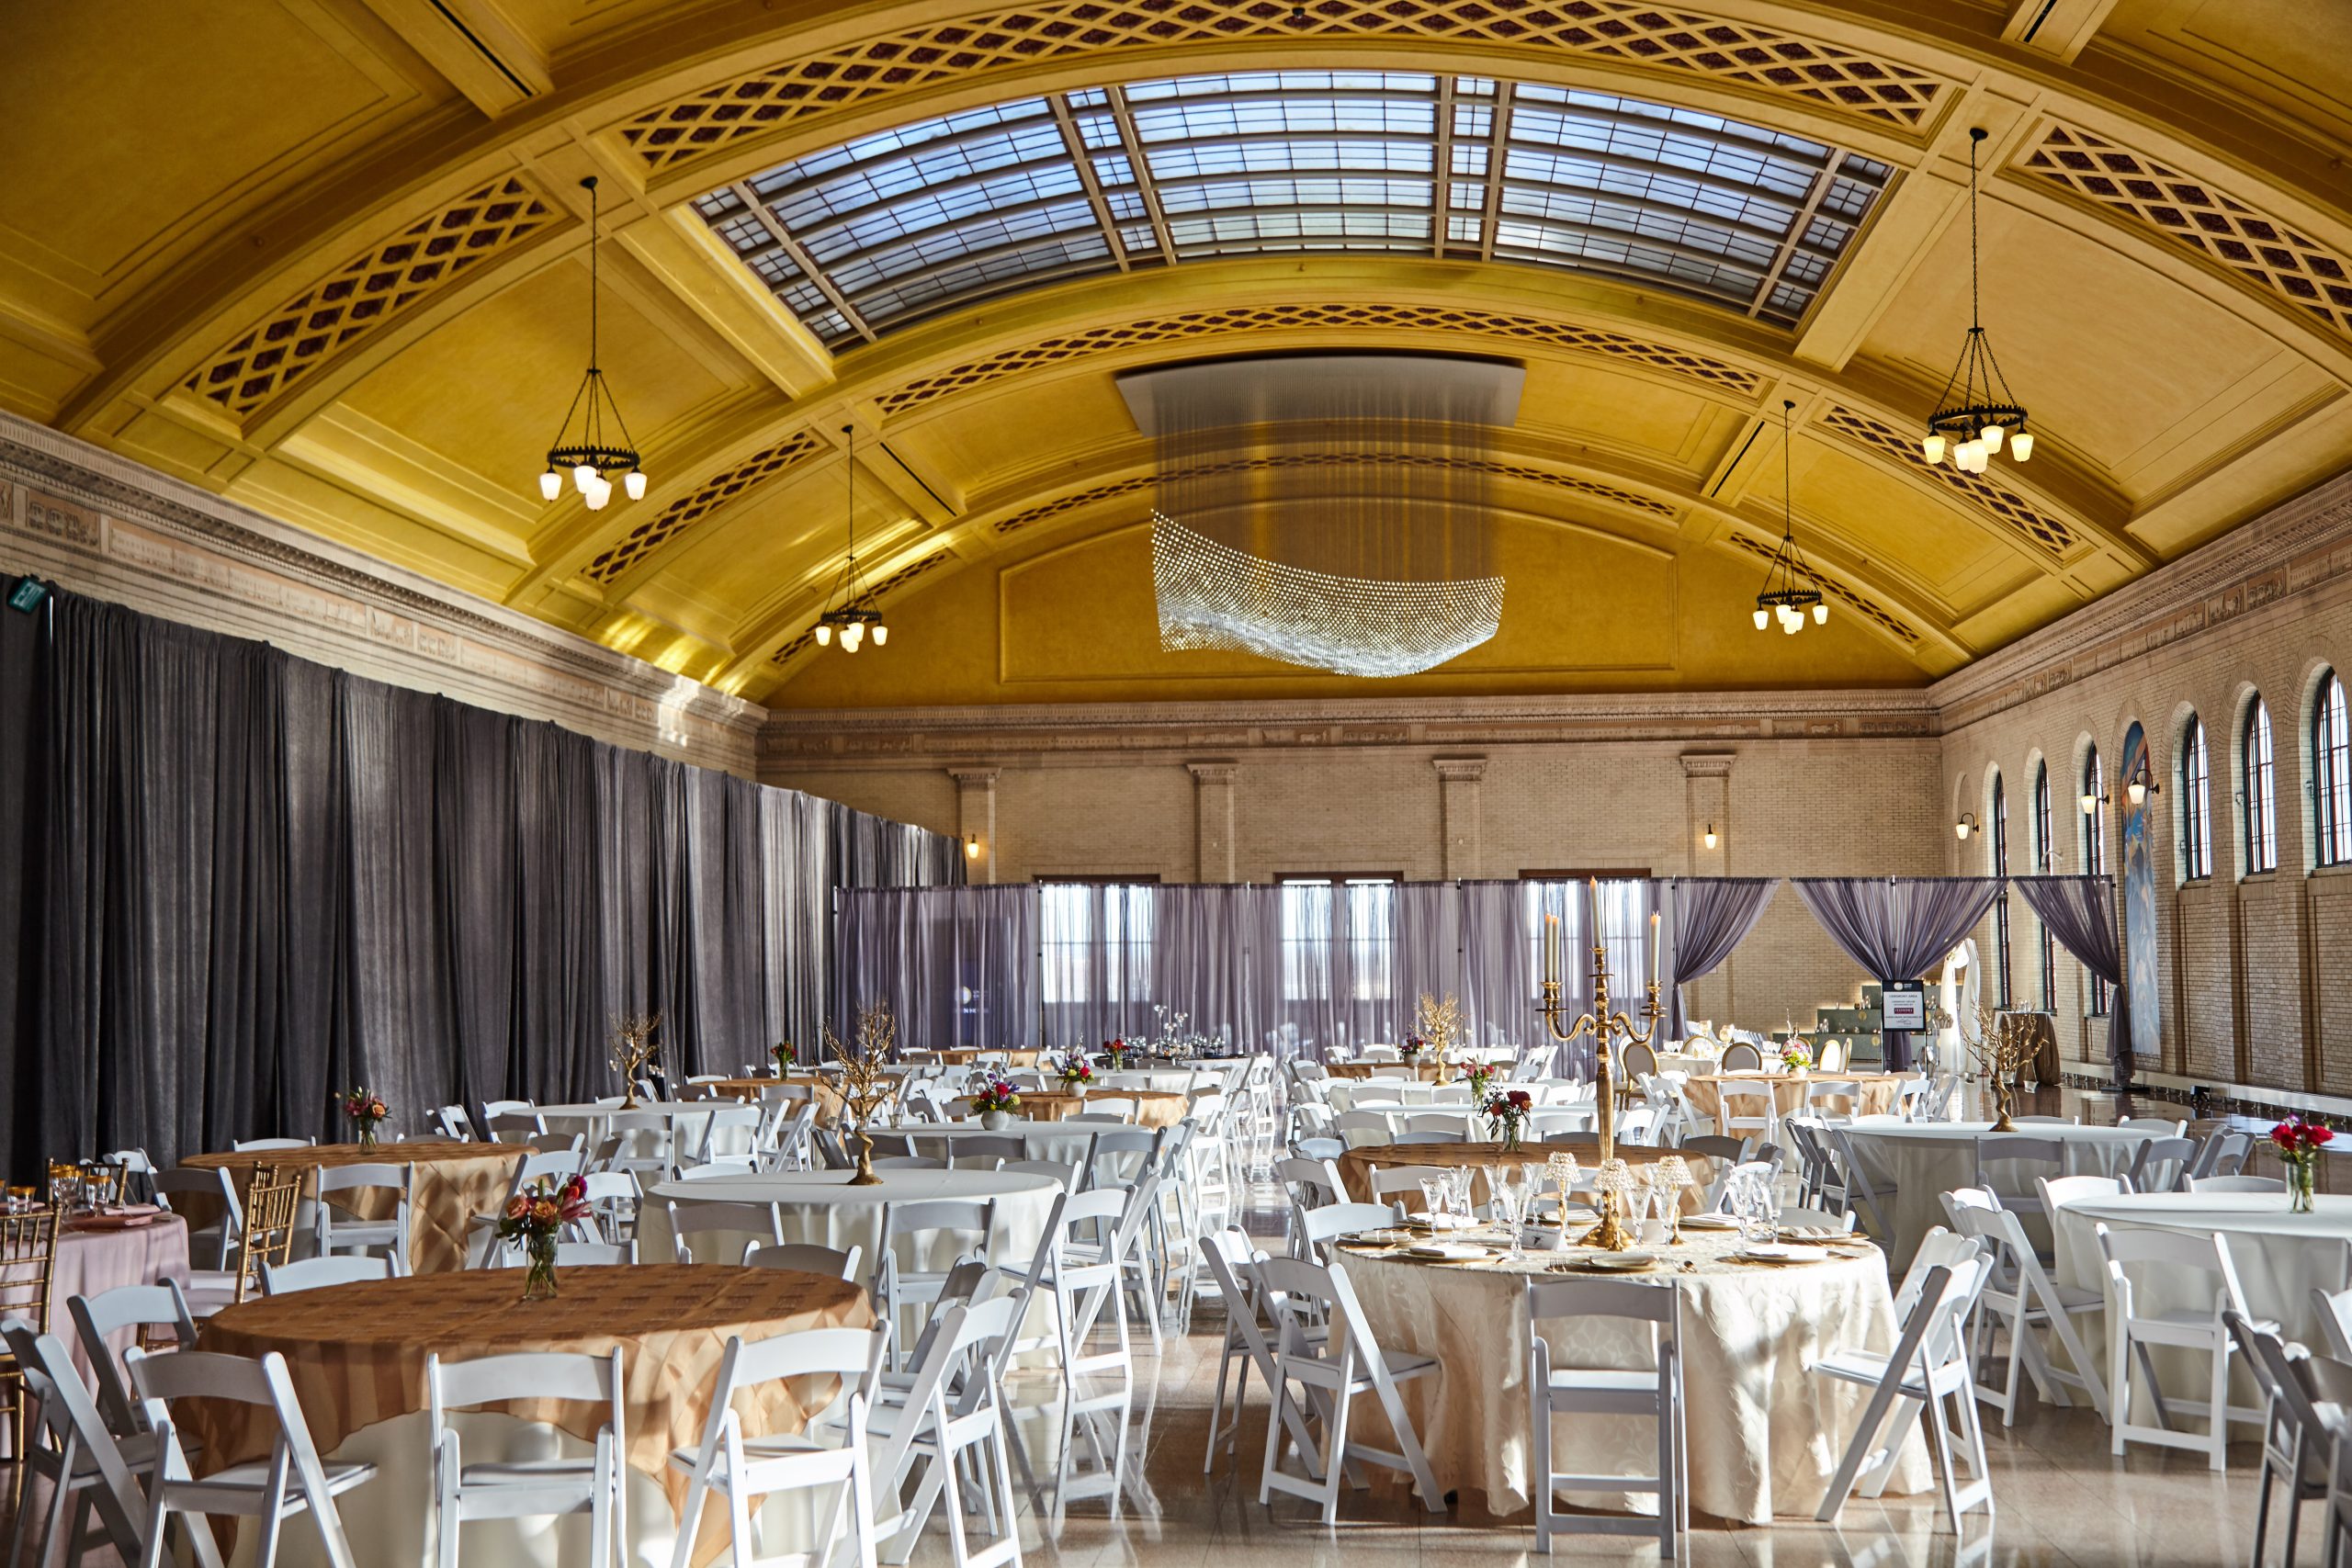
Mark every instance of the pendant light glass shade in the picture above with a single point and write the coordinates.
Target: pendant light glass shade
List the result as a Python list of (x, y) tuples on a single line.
[(593, 439), (1977, 408)]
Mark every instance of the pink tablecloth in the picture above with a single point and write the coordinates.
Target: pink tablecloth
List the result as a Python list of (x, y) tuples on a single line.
[(91, 1261)]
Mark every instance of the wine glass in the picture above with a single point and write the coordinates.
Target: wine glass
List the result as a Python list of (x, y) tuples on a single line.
[(1509, 1198), (1457, 1182), (1432, 1200)]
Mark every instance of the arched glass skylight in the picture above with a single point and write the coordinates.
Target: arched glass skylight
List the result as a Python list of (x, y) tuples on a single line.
[(886, 230)]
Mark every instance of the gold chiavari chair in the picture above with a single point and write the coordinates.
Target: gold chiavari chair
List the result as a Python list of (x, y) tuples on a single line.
[(271, 1204), (28, 1258)]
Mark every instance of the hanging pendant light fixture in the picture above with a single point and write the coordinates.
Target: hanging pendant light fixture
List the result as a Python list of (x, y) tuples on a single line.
[(1977, 410), (1789, 586), (593, 455), (856, 613)]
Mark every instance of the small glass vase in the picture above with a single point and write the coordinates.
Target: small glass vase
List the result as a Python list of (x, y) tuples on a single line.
[(367, 1135), (1511, 1134), (538, 1273), (2300, 1179)]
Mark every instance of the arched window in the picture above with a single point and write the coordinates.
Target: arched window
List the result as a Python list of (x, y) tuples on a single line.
[(2196, 803), (2095, 845), (2332, 772), (2045, 860), (2001, 904), (2260, 793)]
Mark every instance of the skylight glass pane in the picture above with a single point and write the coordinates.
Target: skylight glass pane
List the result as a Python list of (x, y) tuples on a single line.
[(948, 211)]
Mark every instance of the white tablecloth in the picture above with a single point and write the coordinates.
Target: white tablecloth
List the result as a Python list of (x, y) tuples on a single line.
[(2280, 1257), (1460, 1118), (1913, 1164), (1347, 1094), (687, 1119), (1765, 1434), (1061, 1141)]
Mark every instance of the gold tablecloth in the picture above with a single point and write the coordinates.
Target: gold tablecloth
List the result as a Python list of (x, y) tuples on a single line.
[(454, 1182), (1426, 1071), (1357, 1165), (961, 1057), (1789, 1092), (356, 1354), (1154, 1108)]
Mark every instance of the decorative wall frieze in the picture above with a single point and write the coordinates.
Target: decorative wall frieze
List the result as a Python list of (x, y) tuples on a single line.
[(1003, 42), (103, 526), (801, 739), (2300, 549)]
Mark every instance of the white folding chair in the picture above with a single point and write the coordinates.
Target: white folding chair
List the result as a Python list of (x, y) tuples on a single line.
[(1318, 1226), (2022, 1297), (1746, 1108), (2134, 1326), (1654, 1393), (209, 1184), (1927, 1373), (743, 1468), (71, 1450), (331, 1233), (2161, 1164), (2236, 1184), (2333, 1310), (920, 1224), (731, 1229), (96, 1319), (293, 1480), (321, 1273), (804, 1257), (1302, 1298), (531, 1488), (1078, 1270), (2294, 1441)]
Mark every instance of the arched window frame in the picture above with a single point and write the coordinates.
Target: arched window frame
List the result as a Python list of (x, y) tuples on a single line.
[(2259, 787), (2000, 853), (2095, 851), (2331, 774), (2196, 802), (2045, 860)]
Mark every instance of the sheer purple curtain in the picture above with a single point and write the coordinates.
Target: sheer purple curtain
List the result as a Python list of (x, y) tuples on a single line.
[(2079, 914), (1207, 962), (1428, 950), (1711, 916), (957, 966), (1502, 948), (1097, 974), (1897, 928)]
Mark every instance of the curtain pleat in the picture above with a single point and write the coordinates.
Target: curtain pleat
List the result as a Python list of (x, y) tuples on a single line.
[(233, 884)]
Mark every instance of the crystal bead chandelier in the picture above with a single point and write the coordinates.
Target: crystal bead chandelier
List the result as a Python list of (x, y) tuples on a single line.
[(856, 613), (1977, 410), (593, 454), (1789, 586)]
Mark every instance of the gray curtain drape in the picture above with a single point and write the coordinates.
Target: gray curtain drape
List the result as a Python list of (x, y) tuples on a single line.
[(1711, 916), (957, 966), (237, 883), (2079, 914), (1895, 927)]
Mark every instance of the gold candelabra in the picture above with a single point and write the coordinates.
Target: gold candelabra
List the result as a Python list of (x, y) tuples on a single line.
[(1439, 1022), (864, 1088), (1607, 1028), (632, 1048)]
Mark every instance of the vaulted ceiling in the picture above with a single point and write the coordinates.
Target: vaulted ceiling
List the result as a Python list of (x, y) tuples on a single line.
[(329, 257)]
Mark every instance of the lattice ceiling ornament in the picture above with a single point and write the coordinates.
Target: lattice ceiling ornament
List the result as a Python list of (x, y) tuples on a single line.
[(1380, 577), (1977, 408), (1790, 587), (590, 452)]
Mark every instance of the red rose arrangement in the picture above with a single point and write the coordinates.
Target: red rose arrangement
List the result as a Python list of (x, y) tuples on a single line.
[(996, 1095), (535, 1217), (366, 1109), (1075, 1071), (2298, 1140), (1507, 1112)]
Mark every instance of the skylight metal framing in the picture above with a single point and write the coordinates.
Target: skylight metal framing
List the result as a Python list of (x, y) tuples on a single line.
[(876, 233)]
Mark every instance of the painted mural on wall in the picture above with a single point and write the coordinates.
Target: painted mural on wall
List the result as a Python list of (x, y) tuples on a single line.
[(2142, 994)]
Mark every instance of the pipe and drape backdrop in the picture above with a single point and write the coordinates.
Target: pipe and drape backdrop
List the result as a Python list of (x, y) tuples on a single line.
[(234, 881)]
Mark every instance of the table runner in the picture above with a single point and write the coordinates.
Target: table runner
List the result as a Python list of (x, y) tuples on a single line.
[(454, 1182), (356, 1354)]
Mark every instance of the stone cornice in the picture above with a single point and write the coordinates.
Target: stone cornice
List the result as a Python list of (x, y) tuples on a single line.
[(796, 738), (102, 524), (2298, 546)]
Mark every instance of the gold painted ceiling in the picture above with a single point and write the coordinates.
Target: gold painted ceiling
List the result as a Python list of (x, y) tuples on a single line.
[(328, 257)]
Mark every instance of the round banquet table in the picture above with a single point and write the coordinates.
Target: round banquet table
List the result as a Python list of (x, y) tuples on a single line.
[(1765, 1434), (1913, 1164), (964, 1056), (1154, 1108), (97, 1256), (1789, 1091), (1561, 1117), (827, 1094), (592, 1119), (1357, 1165), (1058, 1141), (357, 1355), (454, 1182), (1425, 1071), (2280, 1257)]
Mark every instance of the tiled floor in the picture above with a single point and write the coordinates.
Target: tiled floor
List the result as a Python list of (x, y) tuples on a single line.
[(2061, 1499)]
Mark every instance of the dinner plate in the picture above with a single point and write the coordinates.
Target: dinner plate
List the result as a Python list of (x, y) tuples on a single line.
[(1708, 1222), (1445, 1251), (1768, 1252), (1626, 1262)]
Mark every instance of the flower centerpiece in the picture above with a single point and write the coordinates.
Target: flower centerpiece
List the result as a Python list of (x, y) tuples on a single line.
[(1116, 1050), (1796, 1057), (366, 1109), (1507, 1112), (1412, 1048), (995, 1100), (1481, 1076), (2298, 1140), (535, 1217), (1074, 1071), (784, 1055)]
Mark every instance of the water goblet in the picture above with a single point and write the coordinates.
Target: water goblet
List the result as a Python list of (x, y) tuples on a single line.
[(1508, 1199), (1458, 1186), (1432, 1202)]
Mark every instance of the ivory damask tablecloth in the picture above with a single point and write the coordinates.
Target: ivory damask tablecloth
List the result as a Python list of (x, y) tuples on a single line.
[(1357, 1165), (1765, 1434), (357, 1355), (1789, 1092), (1913, 1164), (454, 1182)]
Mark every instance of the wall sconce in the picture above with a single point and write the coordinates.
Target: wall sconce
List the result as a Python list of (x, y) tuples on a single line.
[(1965, 826), (1711, 835), (2091, 802), (2140, 785), (971, 848)]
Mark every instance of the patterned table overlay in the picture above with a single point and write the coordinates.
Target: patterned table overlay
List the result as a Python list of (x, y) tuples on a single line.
[(356, 1354), (1789, 1092), (454, 1182)]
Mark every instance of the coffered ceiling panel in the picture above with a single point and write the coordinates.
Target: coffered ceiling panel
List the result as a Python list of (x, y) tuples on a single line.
[(954, 224)]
